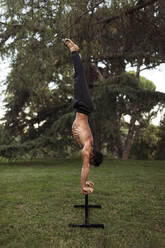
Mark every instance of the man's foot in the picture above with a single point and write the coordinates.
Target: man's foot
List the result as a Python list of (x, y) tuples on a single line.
[(71, 45), (87, 190), (89, 184)]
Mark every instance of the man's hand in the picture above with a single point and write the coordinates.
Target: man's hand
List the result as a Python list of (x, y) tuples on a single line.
[(86, 190), (89, 184)]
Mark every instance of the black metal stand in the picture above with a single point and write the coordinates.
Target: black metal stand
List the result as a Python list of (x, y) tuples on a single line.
[(86, 224)]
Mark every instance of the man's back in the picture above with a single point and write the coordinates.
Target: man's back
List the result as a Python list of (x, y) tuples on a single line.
[(81, 131)]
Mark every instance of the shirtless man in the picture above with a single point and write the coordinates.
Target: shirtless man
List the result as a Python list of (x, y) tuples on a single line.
[(80, 128)]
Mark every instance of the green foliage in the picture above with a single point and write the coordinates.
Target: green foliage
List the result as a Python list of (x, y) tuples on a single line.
[(116, 98), (39, 89), (144, 83), (145, 143), (161, 144)]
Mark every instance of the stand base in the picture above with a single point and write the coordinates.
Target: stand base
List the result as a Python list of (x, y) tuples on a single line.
[(86, 207), (87, 225), (89, 206)]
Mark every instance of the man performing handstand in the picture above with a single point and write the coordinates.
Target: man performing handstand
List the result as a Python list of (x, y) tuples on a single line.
[(80, 128)]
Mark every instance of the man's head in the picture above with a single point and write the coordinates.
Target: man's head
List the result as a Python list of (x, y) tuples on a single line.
[(96, 158)]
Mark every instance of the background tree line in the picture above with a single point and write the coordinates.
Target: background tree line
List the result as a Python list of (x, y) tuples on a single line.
[(39, 89)]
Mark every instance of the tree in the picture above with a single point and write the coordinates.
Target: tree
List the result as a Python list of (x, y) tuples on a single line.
[(160, 154), (145, 142), (39, 87), (137, 109), (116, 99)]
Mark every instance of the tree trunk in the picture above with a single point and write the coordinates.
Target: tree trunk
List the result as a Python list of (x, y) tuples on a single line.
[(128, 142)]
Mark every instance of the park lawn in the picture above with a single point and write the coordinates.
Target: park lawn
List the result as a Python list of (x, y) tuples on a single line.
[(37, 198)]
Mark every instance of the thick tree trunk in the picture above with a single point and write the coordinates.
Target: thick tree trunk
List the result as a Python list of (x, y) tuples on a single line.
[(128, 142), (131, 131), (117, 149)]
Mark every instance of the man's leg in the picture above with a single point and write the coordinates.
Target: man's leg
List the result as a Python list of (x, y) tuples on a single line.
[(82, 99)]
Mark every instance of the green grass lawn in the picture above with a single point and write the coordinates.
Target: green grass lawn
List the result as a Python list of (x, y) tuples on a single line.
[(37, 198)]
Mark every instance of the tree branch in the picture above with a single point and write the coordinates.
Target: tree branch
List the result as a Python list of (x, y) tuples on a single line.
[(69, 27), (150, 67), (129, 11), (13, 24), (79, 17), (3, 23)]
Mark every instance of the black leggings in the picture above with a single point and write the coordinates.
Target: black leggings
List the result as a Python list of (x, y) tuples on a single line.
[(82, 100)]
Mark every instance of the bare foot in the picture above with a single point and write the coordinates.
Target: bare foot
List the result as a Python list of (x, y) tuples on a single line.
[(71, 45), (90, 184), (87, 190)]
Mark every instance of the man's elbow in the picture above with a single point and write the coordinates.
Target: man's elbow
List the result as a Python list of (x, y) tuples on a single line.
[(85, 153)]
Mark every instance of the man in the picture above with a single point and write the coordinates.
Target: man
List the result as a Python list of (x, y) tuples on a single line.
[(80, 128)]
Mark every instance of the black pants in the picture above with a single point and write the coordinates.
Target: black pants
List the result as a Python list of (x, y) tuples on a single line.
[(82, 100)]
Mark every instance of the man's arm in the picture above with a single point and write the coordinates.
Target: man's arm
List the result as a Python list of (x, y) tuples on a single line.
[(85, 170)]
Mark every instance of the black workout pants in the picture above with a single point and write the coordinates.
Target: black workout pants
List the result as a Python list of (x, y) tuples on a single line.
[(82, 100)]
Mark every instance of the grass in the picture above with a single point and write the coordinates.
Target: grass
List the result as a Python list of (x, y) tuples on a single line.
[(37, 198)]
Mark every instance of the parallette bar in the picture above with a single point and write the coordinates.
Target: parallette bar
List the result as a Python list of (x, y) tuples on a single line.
[(86, 207)]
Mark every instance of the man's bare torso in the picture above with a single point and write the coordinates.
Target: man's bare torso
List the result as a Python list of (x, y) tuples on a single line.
[(81, 130)]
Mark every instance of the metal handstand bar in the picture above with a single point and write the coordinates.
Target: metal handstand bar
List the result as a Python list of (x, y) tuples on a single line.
[(86, 207)]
